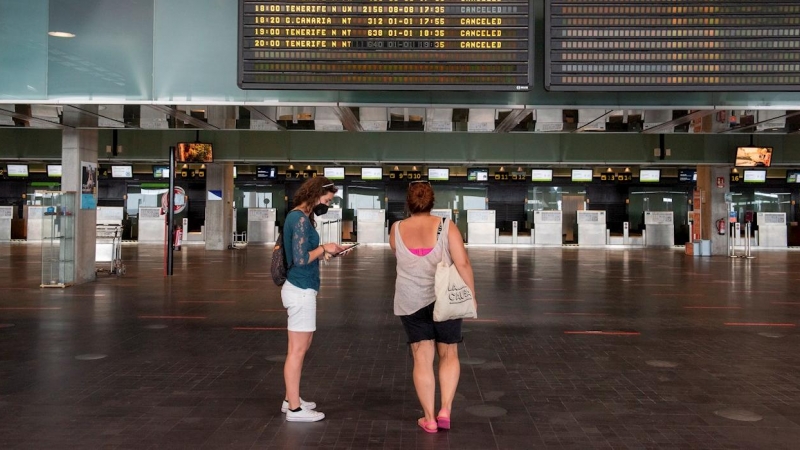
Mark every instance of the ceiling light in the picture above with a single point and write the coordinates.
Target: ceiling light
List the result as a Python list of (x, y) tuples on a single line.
[(502, 169), (61, 34), (519, 169), (291, 166), (610, 170), (308, 167), (396, 168), (627, 170), (414, 168)]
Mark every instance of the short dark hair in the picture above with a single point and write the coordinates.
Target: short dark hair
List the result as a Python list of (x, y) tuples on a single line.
[(419, 198)]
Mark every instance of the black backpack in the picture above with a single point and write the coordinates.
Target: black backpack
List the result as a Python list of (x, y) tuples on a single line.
[(280, 265)]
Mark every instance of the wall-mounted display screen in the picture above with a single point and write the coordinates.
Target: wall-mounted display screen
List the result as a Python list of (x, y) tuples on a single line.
[(793, 176), (753, 156), (687, 175), (160, 171), (124, 172), (650, 175), (547, 175), (371, 173), (648, 45), (384, 44), (17, 170), (477, 174), (755, 176), (266, 172), (438, 174), (191, 152), (54, 170), (582, 175), (334, 173)]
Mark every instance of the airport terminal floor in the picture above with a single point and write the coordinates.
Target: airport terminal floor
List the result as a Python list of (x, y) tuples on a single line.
[(574, 348)]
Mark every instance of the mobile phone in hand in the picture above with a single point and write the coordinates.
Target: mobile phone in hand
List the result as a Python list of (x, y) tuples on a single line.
[(344, 252)]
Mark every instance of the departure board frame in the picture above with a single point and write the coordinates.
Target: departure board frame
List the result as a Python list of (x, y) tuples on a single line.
[(672, 45), (498, 43)]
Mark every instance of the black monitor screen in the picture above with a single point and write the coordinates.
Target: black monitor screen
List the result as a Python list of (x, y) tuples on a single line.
[(477, 174), (687, 175), (160, 171), (267, 172)]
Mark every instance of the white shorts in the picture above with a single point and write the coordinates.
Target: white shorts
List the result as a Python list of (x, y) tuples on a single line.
[(301, 305)]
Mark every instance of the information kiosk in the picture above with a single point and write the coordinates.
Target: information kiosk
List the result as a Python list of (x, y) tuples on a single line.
[(547, 228), (481, 226), (261, 225), (772, 230), (592, 228), (371, 226), (659, 228), (151, 225), (6, 214)]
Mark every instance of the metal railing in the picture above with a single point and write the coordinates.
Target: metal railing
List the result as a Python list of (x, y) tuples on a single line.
[(734, 235), (331, 231)]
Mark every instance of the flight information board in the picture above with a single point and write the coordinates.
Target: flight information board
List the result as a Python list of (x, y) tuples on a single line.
[(386, 44), (672, 45)]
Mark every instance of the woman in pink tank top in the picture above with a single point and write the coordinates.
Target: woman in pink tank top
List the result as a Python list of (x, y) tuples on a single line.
[(419, 243)]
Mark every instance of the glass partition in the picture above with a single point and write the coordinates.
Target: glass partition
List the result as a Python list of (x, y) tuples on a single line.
[(258, 196), (660, 200), (747, 204)]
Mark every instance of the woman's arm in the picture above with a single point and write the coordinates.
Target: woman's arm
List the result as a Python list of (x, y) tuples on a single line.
[(391, 236), (460, 259), (301, 254)]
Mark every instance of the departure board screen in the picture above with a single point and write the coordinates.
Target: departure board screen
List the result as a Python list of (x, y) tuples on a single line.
[(386, 44), (672, 45)]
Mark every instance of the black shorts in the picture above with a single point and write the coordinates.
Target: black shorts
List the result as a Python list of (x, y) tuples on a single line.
[(420, 326)]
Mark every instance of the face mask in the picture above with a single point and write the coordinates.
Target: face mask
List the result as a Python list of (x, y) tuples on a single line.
[(320, 209)]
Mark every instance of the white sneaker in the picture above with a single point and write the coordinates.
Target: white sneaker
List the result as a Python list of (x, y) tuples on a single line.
[(303, 404), (304, 415)]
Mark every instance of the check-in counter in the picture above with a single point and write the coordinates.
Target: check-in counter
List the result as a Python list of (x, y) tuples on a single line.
[(36, 231), (772, 230), (481, 226), (110, 215), (151, 225), (446, 213), (547, 228), (6, 214), (371, 226), (329, 226), (261, 225), (659, 229), (592, 228)]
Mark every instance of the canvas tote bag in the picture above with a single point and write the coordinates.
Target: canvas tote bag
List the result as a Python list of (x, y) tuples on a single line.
[(454, 299)]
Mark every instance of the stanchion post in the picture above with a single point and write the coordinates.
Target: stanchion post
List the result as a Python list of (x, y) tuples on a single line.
[(170, 209)]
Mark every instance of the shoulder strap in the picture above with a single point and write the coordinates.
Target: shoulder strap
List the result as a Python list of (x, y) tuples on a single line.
[(439, 230)]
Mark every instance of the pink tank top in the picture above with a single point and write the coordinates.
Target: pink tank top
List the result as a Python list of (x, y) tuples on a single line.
[(420, 251)]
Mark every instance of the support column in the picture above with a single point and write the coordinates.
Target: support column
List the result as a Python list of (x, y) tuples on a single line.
[(219, 213), (714, 207), (80, 145)]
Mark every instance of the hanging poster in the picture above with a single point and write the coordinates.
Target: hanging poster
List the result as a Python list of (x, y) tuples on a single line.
[(88, 185)]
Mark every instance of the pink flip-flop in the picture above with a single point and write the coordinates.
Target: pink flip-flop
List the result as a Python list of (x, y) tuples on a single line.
[(426, 425), (443, 422)]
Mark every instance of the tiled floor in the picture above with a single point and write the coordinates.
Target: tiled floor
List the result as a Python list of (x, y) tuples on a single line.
[(574, 349)]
